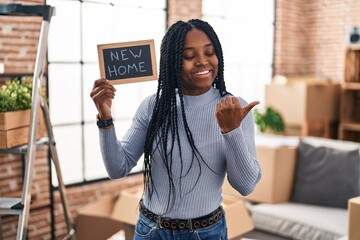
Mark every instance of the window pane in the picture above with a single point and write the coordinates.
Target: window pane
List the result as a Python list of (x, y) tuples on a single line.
[(143, 3), (246, 33), (97, 28), (69, 149), (73, 68), (65, 93), (91, 72), (121, 127), (252, 13), (139, 166), (211, 8), (64, 37), (127, 100), (145, 24), (98, 1), (94, 166), (244, 80), (148, 88)]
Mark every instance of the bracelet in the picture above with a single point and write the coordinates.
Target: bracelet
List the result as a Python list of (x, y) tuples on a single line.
[(104, 123)]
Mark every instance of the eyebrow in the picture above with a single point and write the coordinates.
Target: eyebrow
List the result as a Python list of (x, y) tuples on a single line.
[(206, 45)]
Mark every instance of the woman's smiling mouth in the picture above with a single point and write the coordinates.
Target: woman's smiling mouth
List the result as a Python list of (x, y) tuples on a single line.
[(202, 73)]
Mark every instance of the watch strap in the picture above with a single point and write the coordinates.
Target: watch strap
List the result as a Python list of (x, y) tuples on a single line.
[(104, 123)]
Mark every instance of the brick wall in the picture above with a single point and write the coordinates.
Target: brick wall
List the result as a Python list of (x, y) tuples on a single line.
[(183, 10), (309, 40), (310, 37), (11, 180), (18, 40)]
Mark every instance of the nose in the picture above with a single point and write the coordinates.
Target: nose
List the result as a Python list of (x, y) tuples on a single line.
[(201, 60)]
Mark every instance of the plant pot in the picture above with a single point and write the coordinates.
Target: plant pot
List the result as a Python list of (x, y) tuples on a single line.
[(14, 128)]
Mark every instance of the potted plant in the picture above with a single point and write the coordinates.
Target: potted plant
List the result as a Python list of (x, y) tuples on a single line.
[(15, 108), (269, 121), (15, 95)]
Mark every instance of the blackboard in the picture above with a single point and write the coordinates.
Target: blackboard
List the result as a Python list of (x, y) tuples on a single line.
[(128, 61)]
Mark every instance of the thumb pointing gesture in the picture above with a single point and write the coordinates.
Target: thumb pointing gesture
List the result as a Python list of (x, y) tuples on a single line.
[(229, 113)]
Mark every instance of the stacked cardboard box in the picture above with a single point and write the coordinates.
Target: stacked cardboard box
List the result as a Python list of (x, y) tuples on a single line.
[(104, 218), (278, 167), (96, 221), (354, 218), (308, 108)]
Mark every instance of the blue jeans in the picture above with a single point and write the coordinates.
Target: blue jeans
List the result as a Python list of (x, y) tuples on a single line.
[(148, 229)]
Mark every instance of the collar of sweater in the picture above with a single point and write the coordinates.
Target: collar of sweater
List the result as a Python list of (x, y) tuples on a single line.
[(201, 100)]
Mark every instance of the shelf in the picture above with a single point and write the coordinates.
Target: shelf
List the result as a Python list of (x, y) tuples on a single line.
[(354, 47), (8, 206), (22, 149), (350, 126), (351, 86), (349, 131)]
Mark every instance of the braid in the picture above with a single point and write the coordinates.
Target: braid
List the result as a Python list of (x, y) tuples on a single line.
[(219, 82), (164, 123)]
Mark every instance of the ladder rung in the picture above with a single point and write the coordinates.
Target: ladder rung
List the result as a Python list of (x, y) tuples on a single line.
[(11, 206)]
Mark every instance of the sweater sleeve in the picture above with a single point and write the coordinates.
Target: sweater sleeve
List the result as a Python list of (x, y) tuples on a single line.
[(243, 169), (121, 156)]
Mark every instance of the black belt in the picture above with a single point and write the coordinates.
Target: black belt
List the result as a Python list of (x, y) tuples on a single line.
[(169, 223)]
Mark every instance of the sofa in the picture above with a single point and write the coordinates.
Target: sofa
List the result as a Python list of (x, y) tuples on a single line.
[(314, 203)]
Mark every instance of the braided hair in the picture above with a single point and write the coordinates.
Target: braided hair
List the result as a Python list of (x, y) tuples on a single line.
[(164, 120)]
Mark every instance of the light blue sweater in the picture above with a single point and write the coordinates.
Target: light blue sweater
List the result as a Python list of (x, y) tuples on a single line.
[(233, 154)]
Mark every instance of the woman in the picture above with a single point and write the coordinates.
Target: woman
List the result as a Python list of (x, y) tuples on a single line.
[(192, 132)]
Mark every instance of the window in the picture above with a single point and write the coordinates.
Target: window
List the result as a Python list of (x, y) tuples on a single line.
[(246, 31), (75, 30)]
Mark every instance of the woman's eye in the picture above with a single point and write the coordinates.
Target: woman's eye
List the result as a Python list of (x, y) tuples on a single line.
[(188, 57), (210, 53)]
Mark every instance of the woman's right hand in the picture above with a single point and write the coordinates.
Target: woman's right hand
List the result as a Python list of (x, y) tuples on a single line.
[(102, 94)]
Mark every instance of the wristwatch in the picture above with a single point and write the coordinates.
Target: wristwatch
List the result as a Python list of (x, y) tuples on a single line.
[(104, 123)]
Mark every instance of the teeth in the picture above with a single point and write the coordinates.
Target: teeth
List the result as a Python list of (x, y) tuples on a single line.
[(202, 73)]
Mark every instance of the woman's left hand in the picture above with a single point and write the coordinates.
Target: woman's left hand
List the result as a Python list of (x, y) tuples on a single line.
[(229, 113)]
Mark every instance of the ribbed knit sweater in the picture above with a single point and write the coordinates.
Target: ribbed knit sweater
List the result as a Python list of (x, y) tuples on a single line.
[(232, 154)]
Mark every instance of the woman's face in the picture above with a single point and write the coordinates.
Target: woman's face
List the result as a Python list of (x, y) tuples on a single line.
[(200, 63)]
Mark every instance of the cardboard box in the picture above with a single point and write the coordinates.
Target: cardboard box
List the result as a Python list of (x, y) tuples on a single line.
[(126, 208), (354, 218), (278, 168), (14, 128), (238, 218), (95, 220), (300, 102)]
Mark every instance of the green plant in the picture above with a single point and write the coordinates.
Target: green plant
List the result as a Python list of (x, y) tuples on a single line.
[(270, 119), (15, 95)]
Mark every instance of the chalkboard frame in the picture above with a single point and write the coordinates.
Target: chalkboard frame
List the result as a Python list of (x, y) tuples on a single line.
[(149, 42)]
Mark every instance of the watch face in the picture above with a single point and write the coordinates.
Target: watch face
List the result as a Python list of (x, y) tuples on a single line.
[(104, 123), (100, 124)]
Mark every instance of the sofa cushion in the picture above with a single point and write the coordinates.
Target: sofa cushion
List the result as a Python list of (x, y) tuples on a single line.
[(326, 176), (331, 143), (300, 221)]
